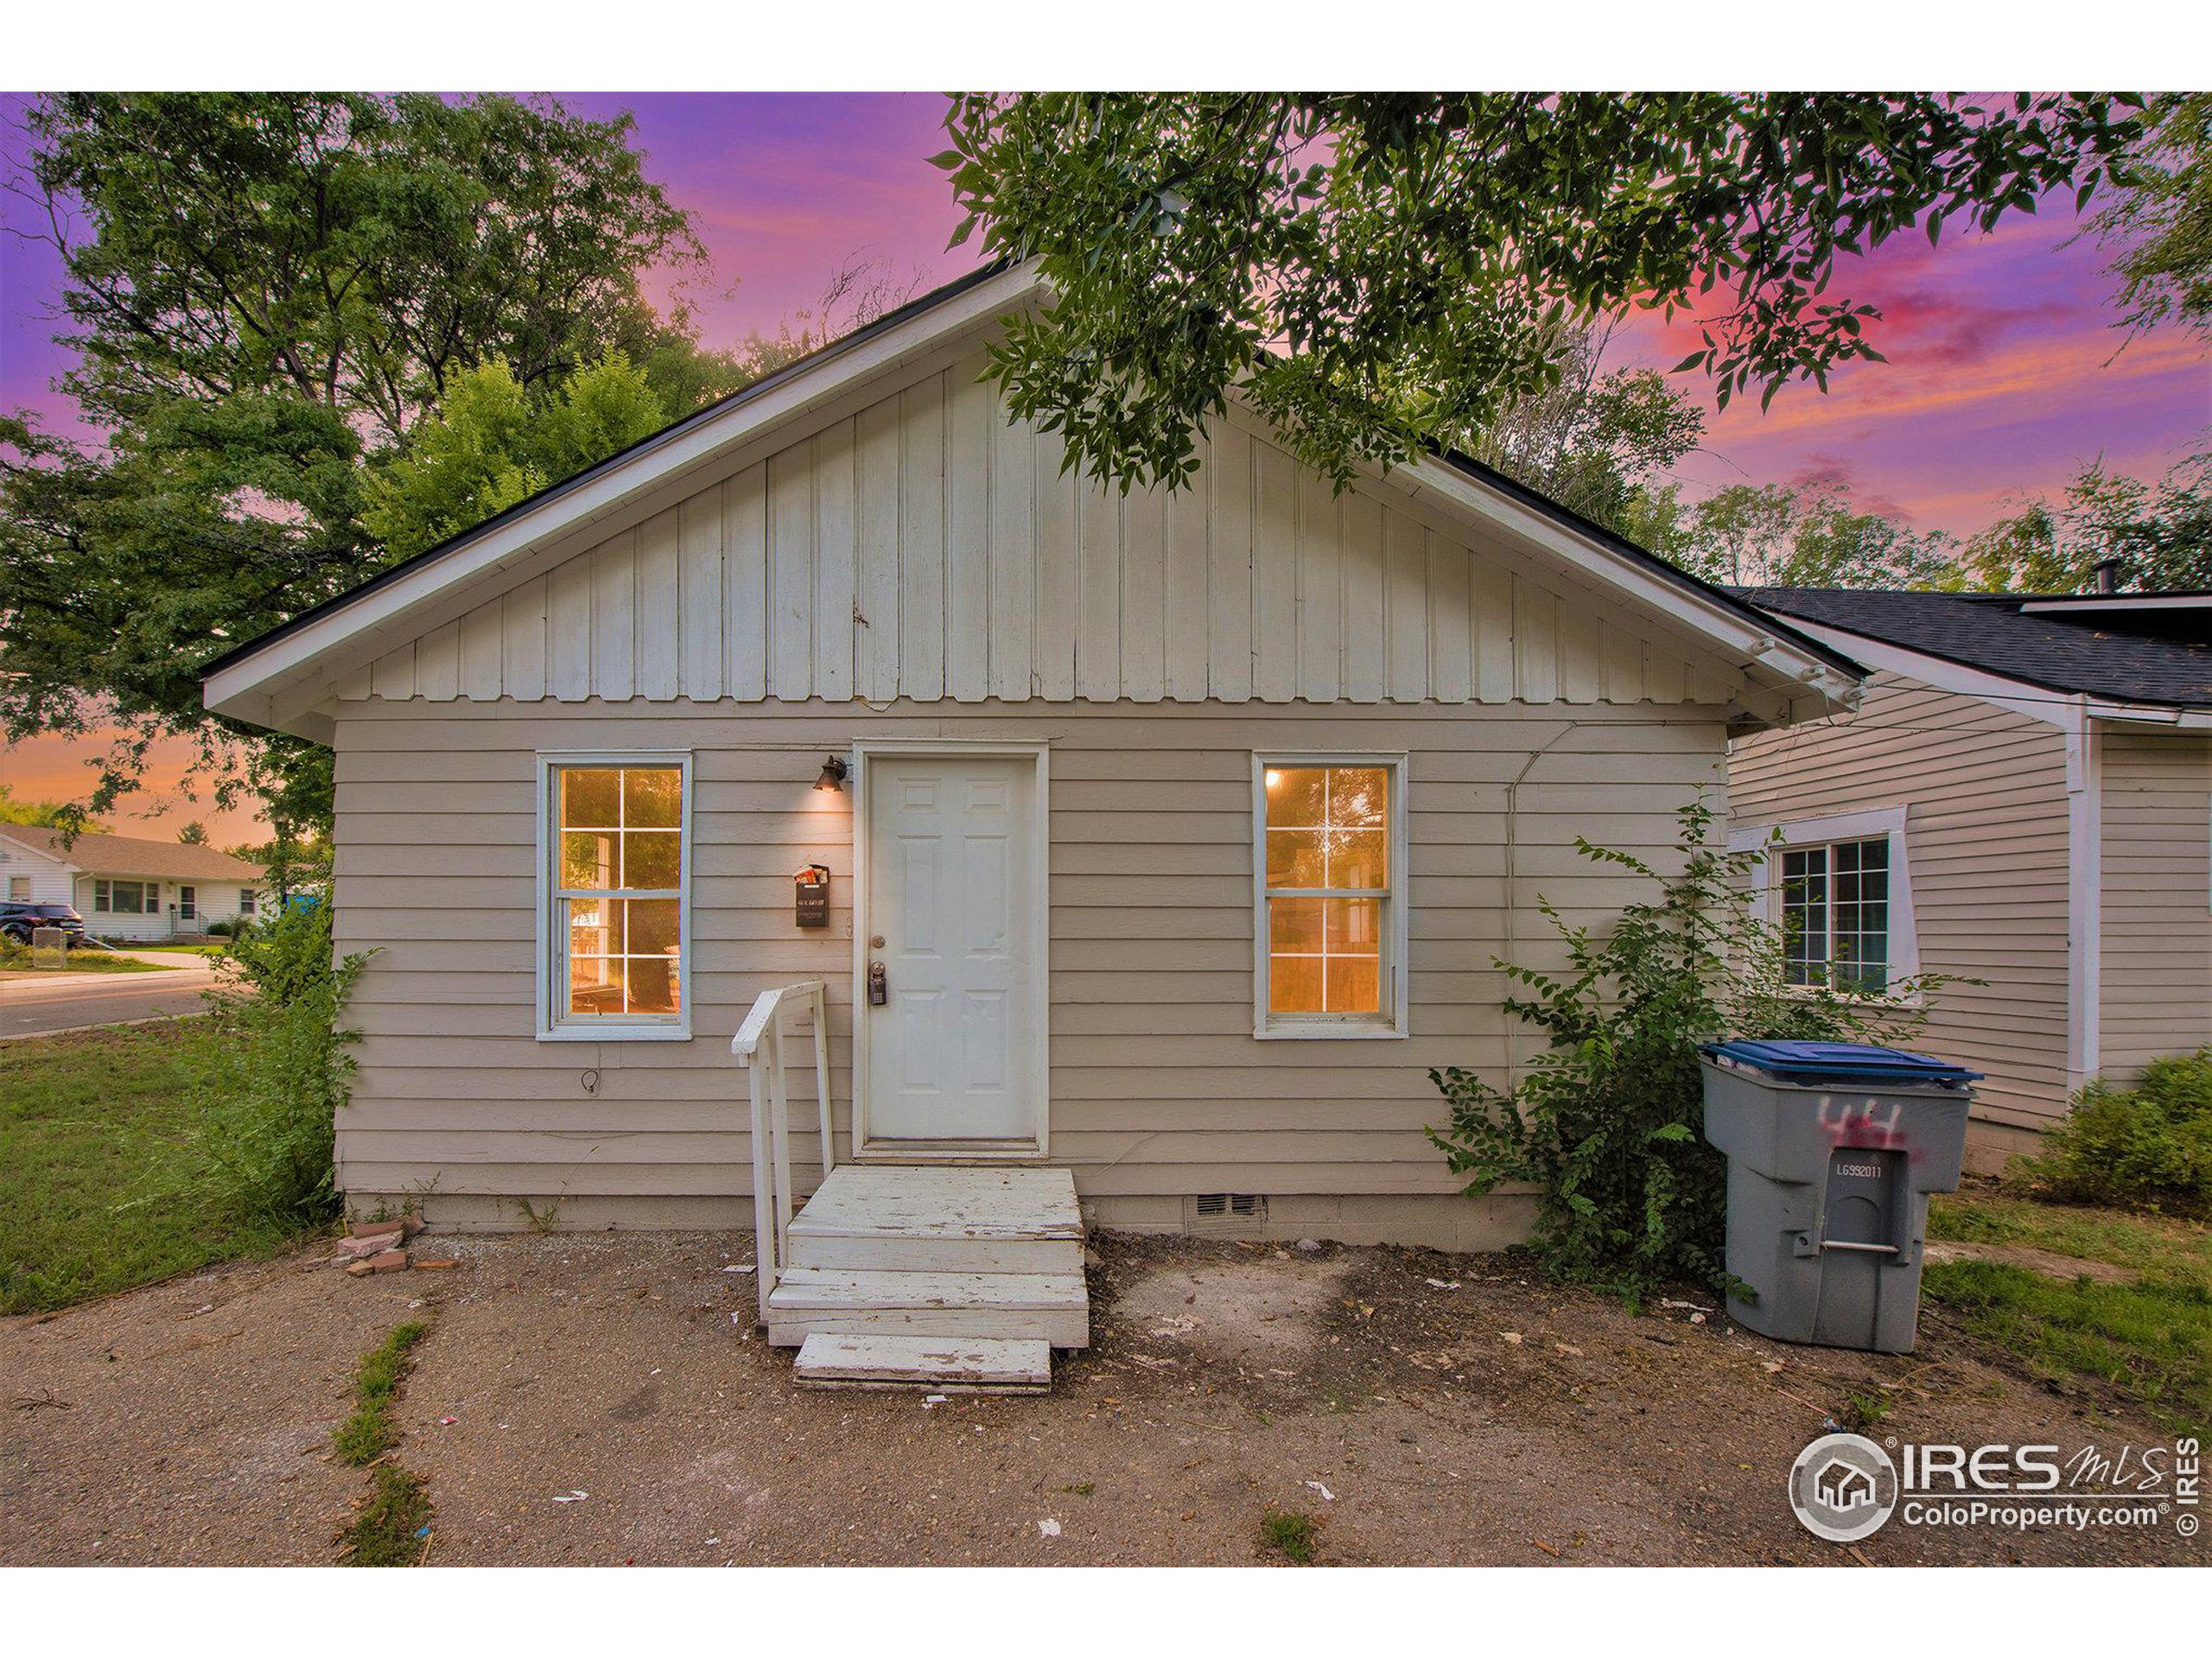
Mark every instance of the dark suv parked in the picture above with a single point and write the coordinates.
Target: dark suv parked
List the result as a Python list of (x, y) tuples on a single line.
[(16, 921)]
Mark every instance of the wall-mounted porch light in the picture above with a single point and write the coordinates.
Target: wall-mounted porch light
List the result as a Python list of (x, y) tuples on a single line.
[(833, 775)]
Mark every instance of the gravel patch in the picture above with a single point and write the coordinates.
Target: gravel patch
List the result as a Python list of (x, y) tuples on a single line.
[(1482, 1417)]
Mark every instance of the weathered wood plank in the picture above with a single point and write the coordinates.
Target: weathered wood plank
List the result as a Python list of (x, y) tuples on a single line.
[(875, 630), (1052, 646), (1228, 579), (660, 610), (791, 573), (1321, 588), (1013, 557), (614, 619), (699, 595), (969, 412), (836, 510), (1189, 576), (1366, 599), (921, 541), (1275, 576), (437, 664), (744, 585), (1098, 595)]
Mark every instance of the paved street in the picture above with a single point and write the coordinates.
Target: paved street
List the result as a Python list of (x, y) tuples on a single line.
[(32, 1004)]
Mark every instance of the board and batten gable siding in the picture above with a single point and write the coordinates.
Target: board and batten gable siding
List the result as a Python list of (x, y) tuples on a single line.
[(925, 547), (2156, 859), (1159, 1088), (1985, 790)]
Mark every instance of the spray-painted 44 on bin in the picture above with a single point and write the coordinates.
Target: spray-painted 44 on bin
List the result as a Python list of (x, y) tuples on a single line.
[(1833, 1150)]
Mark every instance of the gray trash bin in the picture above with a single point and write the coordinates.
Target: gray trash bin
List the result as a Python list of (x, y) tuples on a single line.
[(1833, 1150)]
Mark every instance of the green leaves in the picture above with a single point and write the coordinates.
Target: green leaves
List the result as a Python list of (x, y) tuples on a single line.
[(269, 295), (2161, 225), (1607, 1124), (1377, 272), (2159, 535), (489, 447)]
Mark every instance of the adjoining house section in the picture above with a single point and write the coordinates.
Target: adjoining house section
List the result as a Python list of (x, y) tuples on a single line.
[(2024, 797), (126, 888), (1168, 839)]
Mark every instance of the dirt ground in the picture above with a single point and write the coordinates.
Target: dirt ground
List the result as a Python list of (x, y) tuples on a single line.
[(1427, 1409)]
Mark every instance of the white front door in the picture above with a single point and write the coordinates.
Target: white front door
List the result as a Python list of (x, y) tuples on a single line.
[(953, 920)]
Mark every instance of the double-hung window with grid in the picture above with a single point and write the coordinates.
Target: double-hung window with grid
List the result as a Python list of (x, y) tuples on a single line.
[(1835, 914), (617, 855), (1330, 931)]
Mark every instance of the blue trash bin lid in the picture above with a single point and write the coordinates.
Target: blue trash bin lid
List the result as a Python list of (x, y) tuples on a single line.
[(1816, 1059)]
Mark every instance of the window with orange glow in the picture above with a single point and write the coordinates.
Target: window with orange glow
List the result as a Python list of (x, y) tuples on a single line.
[(617, 916), (1329, 833)]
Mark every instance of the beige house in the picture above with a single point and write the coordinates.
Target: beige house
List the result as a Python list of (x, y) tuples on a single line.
[(127, 888), (1168, 840), (2024, 798)]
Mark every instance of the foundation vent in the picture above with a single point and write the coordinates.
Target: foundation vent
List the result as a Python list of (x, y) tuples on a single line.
[(1233, 1213)]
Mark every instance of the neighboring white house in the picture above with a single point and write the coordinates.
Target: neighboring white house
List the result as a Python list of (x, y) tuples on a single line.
[(126, 888), (1171, 839), (2024, 800)]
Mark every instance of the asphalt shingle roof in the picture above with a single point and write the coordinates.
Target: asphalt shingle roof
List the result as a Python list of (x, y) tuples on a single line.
[(169, 861), (1990, 632)]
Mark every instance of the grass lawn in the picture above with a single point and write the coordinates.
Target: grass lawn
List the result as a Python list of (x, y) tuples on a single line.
[(2151, 1340), (103, 1181), (15, 958)]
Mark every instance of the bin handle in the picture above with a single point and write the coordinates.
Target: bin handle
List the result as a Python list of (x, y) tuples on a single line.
[(1869, 1249)]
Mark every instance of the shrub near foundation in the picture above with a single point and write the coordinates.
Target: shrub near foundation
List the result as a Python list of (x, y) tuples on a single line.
[(1608, 1126), (271, 1125), (2148, 1147)]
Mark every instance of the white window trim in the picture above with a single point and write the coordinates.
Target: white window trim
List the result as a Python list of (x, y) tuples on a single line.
[(149, 895), (1884, 822), (1334, 1028), (553, 978)]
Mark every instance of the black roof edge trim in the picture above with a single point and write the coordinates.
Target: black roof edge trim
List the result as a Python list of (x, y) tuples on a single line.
[(743, 395), (1615, 544)]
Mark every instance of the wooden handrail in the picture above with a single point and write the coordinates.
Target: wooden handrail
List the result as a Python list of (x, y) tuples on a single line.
[(759, 1047)]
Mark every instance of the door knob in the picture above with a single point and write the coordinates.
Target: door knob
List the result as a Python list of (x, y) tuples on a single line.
[(879, 986)]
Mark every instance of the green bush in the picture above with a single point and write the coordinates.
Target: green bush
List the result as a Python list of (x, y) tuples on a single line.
[(221, 929), (271, 1126), (1608, 1124), (2148, 1147)]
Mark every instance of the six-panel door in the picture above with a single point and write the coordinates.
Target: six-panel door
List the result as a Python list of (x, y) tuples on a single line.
[(953, 870)]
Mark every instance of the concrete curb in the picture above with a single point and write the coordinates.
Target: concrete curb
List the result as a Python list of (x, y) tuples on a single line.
[(103, 1025)]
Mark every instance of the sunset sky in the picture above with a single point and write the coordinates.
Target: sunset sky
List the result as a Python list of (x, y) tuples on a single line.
[(2005, 372)]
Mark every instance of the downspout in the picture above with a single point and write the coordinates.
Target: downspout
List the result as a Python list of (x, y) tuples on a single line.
[(2084, 896)]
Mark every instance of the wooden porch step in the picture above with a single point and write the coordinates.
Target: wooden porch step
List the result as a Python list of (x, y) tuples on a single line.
[(945, 1364), (1051, 1307), (940, 1219)]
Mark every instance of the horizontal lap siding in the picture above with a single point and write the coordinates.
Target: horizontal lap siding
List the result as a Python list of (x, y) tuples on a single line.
[(925, 547), (1985, 832), (2157, 951), (1159, 1086)]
